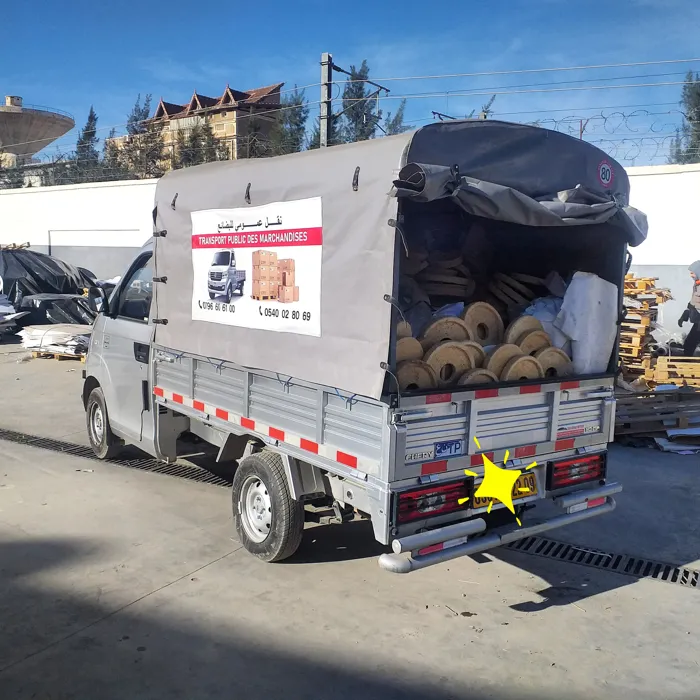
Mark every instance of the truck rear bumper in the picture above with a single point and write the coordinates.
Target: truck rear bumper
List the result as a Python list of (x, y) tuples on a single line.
[(578, 506)]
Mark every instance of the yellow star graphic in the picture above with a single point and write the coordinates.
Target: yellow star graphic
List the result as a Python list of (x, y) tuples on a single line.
[(498, 484)]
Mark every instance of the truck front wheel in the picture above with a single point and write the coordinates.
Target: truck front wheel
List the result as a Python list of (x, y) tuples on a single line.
[(269, 522), (103, 442)]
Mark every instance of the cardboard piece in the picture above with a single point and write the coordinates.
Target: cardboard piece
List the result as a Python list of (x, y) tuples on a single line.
[(264, 288), (264, 258), (287, 264), (287, 278), (265, 272)]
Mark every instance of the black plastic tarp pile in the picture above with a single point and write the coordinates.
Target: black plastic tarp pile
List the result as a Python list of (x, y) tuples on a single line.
[(50, 289)]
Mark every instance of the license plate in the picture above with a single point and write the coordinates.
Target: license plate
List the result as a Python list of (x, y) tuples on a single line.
[(449, 448), (525, 481)]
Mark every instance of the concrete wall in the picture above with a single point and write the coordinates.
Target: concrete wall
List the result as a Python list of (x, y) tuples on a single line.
[(670, 197), (98, 226)]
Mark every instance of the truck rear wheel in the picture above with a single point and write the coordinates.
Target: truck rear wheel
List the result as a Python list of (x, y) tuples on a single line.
[(269, 522), (103, 442)]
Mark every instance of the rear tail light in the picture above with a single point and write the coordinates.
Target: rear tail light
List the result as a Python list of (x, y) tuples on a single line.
[(571, 472), (431, 501)]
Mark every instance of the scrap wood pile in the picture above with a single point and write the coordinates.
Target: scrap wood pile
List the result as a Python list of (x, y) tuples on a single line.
[(681, 371), (481, 342), (641, 300), (671, 418)]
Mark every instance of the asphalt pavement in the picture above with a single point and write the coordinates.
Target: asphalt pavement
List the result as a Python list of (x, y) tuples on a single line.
[(117, 583)]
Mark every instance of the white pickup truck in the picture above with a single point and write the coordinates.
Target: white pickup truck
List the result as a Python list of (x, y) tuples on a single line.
[(297, 384)]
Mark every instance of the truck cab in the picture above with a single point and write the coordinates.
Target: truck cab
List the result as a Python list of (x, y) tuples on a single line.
[(223, 278)]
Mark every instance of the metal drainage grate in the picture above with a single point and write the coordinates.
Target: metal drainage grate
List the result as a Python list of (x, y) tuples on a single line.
[(608, 561), (147, 464)]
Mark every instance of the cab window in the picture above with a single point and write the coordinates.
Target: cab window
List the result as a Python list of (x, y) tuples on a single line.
[(137, 292)]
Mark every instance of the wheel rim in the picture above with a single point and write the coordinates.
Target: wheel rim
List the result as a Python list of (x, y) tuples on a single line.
[(255, 507), (97, 425)]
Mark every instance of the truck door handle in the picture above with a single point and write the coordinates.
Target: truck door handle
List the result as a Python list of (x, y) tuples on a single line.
[(141, 352)]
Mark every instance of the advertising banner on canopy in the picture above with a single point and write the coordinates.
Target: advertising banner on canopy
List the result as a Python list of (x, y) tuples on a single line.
[(259, 267)]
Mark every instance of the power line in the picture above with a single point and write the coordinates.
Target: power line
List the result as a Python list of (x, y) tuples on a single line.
[(539, 70)]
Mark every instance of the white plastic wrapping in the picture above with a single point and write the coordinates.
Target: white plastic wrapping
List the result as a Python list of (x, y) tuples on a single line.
[(589, 317)]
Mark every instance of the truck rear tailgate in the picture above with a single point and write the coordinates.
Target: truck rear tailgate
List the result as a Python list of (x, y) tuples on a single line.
[(435, 433)]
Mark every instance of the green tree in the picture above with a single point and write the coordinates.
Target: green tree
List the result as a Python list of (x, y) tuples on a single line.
[(209, 145), (288, 134), (189, 147), (334, 138), (393, 124), (113, 167), (143, 149), (359, 118), (685, 147), (86, 147)]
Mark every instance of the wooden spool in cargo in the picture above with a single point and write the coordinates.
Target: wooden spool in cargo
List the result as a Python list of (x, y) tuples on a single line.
[(527, 279), (507, 294), (476, 352), (445, 260), (408, 349), (520, 327), (404, 330), (416, 375), (498, 358), (484, 323), (450, 360), (522, 368), (442, 329), (555, 362), (514, 284), (477, 376), (533, 341)]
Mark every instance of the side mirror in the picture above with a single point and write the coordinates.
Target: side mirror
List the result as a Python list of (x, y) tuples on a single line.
[(97, 300)]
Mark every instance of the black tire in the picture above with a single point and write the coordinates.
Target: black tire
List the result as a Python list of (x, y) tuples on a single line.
[(240, 288), (264, 471), (212, 295), (103, 441), (229, 294)]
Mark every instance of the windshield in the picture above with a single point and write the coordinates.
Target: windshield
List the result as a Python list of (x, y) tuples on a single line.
[(222, 258)]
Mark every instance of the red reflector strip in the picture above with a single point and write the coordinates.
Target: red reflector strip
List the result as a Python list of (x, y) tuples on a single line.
[(527, 451), (276, 434), (438, 398), (486, 393), (596, 502), (564, 444), (198, 406), (531, 389), (158, 391), (433, 468), (433, 548), (247, 423), (477, 460), (570, 385), (220, 413), (177, 398), (308, 445), (346, 459)]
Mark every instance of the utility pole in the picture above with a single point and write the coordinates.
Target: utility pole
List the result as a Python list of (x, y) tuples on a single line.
[(325, 122)]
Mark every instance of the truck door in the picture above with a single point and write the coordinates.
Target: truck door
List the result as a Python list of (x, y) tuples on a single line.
[(126, 352)]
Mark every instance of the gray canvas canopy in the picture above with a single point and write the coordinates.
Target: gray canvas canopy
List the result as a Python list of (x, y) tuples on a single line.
[(502, 171)]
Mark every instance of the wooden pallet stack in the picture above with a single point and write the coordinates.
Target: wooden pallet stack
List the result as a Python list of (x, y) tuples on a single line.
[(643, 299), (652, 414), (682, 371)]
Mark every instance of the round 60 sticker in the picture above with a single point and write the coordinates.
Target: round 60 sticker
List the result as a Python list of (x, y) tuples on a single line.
[(605, 173)]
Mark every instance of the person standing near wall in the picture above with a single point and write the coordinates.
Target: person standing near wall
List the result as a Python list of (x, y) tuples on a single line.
[(692, 313)]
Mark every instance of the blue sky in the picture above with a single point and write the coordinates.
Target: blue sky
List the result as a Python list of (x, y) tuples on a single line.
[(72, 54)]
